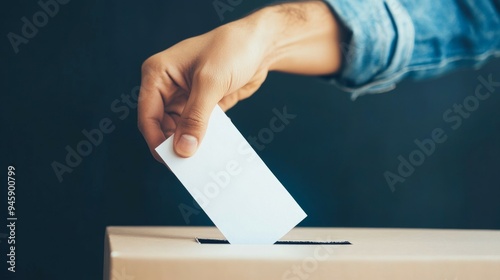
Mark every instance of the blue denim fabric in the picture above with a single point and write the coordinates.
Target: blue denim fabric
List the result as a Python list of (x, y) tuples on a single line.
[(393, 39)]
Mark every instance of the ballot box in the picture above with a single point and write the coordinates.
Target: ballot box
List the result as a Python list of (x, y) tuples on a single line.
[(143, 253)]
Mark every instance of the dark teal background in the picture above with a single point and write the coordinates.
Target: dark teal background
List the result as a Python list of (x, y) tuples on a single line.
[(331, 158)]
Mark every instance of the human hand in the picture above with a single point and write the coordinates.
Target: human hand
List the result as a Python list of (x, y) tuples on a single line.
[(181, 85)]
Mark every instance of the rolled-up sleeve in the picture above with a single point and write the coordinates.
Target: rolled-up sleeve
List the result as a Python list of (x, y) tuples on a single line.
[(388, 40)]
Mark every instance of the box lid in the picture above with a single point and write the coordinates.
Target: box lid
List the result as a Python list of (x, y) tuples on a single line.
[(173, 253)]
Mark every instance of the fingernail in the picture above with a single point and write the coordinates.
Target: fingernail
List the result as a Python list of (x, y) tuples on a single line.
[(187, 144)]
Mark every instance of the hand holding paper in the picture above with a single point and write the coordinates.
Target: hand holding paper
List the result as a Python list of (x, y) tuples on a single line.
[(233, 185), (181, 85)]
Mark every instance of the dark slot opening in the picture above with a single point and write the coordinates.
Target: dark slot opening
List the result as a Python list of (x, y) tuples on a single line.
[(280, 242)]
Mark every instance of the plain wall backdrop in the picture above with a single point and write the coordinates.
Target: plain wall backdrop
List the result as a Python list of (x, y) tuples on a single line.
[(72, 73)]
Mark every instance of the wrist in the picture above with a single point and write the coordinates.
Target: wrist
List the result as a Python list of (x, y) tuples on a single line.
[(298, 37)]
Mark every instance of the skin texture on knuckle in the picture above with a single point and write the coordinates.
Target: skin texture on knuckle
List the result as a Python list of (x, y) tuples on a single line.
[(146, 66), (150, 65)]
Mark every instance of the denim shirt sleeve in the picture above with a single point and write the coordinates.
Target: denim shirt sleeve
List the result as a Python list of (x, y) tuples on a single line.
[(389, 40)]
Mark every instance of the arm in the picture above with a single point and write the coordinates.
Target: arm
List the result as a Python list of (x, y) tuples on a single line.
[(369, 47), (181, 85)]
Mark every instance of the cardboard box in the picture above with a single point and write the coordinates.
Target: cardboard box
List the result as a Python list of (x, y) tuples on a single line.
[(143, 253)]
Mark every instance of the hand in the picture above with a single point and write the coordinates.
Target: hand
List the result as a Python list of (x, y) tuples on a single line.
[(182, 85)]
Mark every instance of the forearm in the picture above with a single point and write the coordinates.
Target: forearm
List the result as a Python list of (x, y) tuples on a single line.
[(300, 37)]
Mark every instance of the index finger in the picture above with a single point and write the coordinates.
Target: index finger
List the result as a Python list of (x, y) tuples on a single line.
[(150, 114)]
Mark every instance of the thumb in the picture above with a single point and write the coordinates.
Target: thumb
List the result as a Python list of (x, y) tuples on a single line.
[(193, 122)]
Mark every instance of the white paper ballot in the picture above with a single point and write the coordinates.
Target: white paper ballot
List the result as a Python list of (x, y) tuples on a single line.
[(234, 186)]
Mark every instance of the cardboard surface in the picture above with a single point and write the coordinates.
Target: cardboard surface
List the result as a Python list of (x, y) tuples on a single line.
[(173, 253)]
